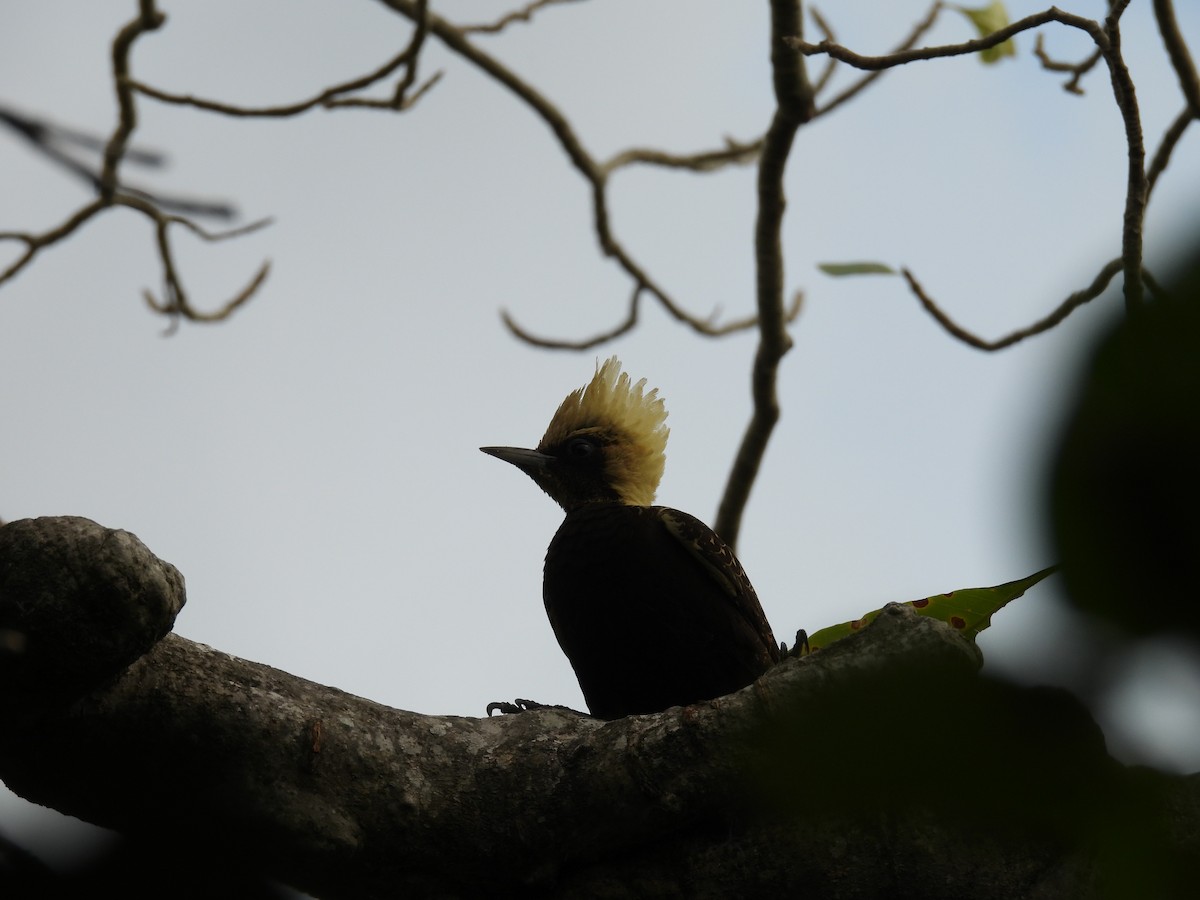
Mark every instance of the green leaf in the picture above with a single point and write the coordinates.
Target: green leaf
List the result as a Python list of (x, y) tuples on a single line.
[(989, 19), (855, 268), (968, 610)]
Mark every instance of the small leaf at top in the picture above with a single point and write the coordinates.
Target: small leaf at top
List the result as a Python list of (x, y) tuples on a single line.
[(989, 19), (855, 268)]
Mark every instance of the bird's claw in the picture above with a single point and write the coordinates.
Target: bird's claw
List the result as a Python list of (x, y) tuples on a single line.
[(800, 648), (519, 706)]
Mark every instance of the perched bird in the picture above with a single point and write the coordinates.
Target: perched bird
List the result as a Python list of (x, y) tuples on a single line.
[(650, 606)]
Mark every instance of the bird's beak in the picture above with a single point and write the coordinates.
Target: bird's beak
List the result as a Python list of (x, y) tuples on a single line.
[(531, 462)]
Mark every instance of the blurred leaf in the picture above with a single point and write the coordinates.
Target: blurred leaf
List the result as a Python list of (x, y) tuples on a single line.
[(968, 610), (989, 19), (1124, 481), (855, 268)]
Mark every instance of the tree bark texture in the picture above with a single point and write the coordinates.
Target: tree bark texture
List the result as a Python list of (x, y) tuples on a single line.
[(882, 766)]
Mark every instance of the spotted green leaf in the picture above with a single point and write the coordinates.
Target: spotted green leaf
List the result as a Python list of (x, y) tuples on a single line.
[(986, 20), (968, 610)]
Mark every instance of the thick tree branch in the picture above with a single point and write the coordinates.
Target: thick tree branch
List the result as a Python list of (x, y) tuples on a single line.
[(834, 773), (829, 774)]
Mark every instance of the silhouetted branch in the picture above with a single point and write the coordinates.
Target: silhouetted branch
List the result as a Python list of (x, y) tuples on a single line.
[(1064, 309), (915, 35), (35, 243), (149, 19), (1076, 70), (903, 57), (332, 97), (524, 14), (827, 34), (125, 725), (1177, 52), (1162, 155), (793, 107), (175, 302), (585, 344), (734, 153)]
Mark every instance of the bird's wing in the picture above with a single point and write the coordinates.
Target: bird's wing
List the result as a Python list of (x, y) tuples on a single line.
[(706, 546)]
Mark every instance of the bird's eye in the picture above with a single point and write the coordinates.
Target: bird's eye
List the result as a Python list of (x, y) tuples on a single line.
[(581, 448)]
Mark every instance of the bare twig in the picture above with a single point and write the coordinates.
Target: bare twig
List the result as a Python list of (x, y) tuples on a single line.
[(1137, 186), (148, 19), (332, 97), (734, 153), (793, 107), (524, 14), (908, 43), (1076, 70), (1064, 309), (823, 26), (586, 343), (175, 302), (1162, 156), (903, 57), (1177, 51), (35, 243)]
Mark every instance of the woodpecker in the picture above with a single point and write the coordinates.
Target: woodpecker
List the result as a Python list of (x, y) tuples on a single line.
[(650, 606)]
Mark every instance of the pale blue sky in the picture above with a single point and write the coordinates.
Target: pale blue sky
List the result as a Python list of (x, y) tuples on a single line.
[(311, 466)]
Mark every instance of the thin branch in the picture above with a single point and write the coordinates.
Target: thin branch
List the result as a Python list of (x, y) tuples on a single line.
[(35, 243), (587, 343), (1162, 156), (1137, 186), (1076, 70), (332, 97), (148, 19), (794, 106), (734, 153), (891, 60), (823, 26), (176, 302), (1064, 309), (918, 32), (524, 14), (1177, 51)]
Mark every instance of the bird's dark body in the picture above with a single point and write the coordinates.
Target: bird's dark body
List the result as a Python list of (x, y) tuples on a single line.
[(652, 609)]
